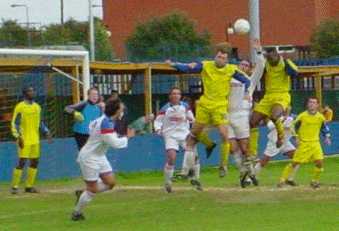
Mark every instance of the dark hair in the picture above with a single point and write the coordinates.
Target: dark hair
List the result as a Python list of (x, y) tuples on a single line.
[(92, 89), (174, 88), (25, 90), (271, 50), (314, 98), (246, 60), (114, 92), (112, 106), (224, 48)]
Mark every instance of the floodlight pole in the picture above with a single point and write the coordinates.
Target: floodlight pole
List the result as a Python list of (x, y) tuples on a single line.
[(91, 32), (254, 25)]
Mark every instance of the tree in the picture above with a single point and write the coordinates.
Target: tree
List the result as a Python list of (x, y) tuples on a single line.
[(173, 35), (325, 38), (12, 34)]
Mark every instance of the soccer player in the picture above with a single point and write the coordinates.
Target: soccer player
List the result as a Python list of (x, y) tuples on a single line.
[(238, 115), (212, 108), (92, 157), (310, 123), (84, 113), (172, 123), (26, 125), (286, 149), (277, 74)]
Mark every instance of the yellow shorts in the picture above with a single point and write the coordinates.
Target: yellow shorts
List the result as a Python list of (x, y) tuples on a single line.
[(266, 104), (30, 151), (211, 113), (308, 152)]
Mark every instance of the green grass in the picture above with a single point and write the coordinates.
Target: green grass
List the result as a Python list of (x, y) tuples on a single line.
[(223, 205)]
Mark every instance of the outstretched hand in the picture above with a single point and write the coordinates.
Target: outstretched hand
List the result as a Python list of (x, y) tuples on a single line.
[(169, 62), (256, 44)]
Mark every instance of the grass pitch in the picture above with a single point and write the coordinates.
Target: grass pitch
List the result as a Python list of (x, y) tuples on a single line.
[(140, 203)]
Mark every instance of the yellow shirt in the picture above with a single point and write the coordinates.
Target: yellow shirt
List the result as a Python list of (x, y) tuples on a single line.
[(310, 126), (277, 80), (216, 81), (26, 122)]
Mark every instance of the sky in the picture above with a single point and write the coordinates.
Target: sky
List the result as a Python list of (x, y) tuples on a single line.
[(47, 12)]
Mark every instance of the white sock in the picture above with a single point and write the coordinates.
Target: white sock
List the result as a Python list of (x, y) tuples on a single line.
[(85, 198), (196, 171), (102, 187), (169, 170), (295, 169), (189, 158), (257, 168), (184, 170), (238, 161)]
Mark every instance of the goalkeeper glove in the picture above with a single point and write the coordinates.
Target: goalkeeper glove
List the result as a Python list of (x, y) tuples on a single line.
[(78, 116)]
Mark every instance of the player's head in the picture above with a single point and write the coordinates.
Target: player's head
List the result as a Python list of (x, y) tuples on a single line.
[(28, 93), (287, 111), (114, 94), (222, 52), (175, 95), (149, 118), (93, 95), (114, 108), (326, 107), (272, 56), (312, 103), (245, 66)]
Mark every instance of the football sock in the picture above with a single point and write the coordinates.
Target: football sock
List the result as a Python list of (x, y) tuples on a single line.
[(225, 150), (286, 173), (196, 171), (257, 169), (16, 177), (316, 173), (31, 175), (189, 158), (279, 127), (238, 161), (169, 170), (295, 170), (184, 170), (85, 198), (205, 139), (253, 142)]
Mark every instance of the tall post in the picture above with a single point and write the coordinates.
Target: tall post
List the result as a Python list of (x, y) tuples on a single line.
[(254, 10), (62, 12), (91, 32)]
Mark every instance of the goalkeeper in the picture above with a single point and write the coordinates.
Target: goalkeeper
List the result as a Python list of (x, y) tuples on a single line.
[(84, 113)]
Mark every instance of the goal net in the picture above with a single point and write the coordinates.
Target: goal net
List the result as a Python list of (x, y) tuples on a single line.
[(58, 77)]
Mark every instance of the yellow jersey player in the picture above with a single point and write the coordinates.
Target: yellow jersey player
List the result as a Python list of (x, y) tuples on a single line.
[(212, 108), (310, 123), (277, 74), (26, 124)]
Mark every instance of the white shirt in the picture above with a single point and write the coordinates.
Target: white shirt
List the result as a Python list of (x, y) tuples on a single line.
[(101, 136), (173, 120), (287, 122)]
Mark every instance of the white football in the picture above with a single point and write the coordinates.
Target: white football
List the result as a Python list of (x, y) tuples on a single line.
[(241, 26)]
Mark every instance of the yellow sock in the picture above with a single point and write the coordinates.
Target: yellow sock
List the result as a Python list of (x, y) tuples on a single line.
[(279, 126), (225, 150), (31, 175), (286, 173), (316, 173), (16, 177), (205, 139), (254, 137)]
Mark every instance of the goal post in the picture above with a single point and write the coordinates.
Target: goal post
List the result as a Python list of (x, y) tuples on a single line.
[(84, 55), (58, 77)]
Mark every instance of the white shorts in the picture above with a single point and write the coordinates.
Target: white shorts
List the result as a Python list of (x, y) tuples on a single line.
[(174, 143), (272, 150), (91, 171), (238, 126)]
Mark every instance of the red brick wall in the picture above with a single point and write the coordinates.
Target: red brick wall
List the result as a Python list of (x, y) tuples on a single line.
[(282, 22)]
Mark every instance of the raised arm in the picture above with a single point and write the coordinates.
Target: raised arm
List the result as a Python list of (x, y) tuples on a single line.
[(114, 141), (70, 109), (190, 68), (259, 65), (291, 68)]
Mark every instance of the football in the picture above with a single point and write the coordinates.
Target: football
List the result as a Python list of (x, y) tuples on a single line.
[(241, 26)]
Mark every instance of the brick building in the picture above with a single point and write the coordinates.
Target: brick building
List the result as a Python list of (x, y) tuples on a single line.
[(287, 22)]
